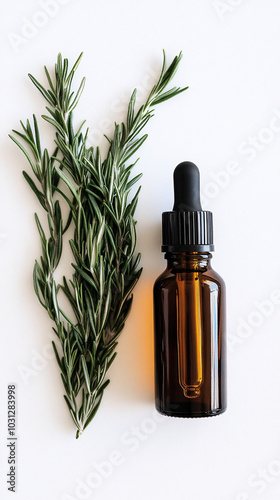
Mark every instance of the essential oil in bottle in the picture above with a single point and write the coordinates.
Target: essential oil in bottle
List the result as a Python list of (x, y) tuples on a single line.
[(189, 309)]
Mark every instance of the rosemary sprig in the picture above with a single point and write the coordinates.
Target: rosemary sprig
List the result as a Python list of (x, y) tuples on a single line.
[(100, 207)]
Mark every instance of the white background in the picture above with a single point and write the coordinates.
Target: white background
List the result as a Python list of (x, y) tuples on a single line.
[(232, 64)]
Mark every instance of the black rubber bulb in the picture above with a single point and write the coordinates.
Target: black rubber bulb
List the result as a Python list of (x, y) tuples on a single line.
[(186, 187)]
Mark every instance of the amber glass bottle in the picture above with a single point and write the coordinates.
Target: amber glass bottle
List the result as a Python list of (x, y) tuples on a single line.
[(189, 310)]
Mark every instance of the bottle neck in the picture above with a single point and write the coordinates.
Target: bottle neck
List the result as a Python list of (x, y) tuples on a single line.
[(188, 261)]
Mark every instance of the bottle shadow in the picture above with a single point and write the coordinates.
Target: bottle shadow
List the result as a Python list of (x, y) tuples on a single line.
[(132, 373)]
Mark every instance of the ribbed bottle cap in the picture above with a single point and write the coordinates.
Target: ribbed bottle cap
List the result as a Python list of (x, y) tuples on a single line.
[(187, 228)]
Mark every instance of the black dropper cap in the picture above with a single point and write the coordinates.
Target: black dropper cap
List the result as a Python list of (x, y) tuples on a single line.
[(187, 228)]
